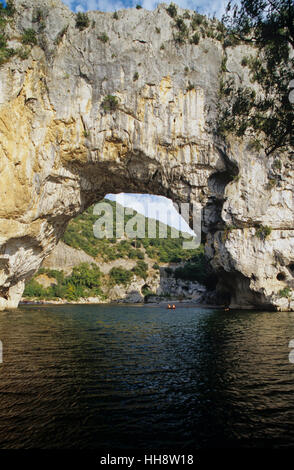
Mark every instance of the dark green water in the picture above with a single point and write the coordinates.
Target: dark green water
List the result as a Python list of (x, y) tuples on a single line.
[(105, 377)]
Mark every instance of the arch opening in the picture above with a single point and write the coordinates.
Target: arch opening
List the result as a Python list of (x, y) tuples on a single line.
[(129, 265)]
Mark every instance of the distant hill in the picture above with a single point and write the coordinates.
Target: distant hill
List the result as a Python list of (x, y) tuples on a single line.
[(79, 234), (84, 266)]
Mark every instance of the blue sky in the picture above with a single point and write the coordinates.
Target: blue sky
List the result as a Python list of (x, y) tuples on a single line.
[(208, 7)]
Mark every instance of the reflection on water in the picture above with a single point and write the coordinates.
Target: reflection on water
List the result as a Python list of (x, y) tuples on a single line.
[(141, 377)]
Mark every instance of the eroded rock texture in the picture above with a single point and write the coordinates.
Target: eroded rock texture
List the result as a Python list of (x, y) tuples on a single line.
[(60, 151)]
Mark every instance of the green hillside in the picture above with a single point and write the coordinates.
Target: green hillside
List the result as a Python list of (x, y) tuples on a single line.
[(88, 281), (79, 234)]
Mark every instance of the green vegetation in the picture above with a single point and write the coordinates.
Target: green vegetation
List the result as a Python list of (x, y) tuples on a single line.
[(197, 20), (180, 38), (82, 21), (115, 15), (147, 292), (85, 281), (272, 182), (197, 269), (286, 292), (136, 76), (190, 86), (277, 165), (195, 38), (103, 38), (39, 18), (120, 276), (227, 230), (263, 231), (182, 34), (110, 103), (268, 27), (198, 25), (79, 234), (141, 269), (245, 61), (172, 10), (29, 37), (138, 7), (6, 13), (181, 25), (23, 52), (5, 52)]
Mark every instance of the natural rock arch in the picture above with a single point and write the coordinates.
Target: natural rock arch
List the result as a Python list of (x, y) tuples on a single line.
[(60, 150)]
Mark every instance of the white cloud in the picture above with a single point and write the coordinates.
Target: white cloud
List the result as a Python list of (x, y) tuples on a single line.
[(79, 8)]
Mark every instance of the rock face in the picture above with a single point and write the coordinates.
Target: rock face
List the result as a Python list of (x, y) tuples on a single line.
[(60, 151), (64, 258)]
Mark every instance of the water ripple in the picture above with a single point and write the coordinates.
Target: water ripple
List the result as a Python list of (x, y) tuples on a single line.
[(94, 377)]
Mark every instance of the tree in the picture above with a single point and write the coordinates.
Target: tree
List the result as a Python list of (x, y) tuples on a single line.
[(268, 116), (82, 21)]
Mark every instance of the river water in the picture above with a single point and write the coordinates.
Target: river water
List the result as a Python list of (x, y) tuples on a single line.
[(102, 377)]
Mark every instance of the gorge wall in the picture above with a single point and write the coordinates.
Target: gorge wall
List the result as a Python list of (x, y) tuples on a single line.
[(60, 150)]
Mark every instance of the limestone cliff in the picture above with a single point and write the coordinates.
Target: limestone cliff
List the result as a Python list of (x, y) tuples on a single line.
[(61, 150)]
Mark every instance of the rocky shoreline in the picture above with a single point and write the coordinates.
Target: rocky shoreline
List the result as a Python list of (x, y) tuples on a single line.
[(177, 303)]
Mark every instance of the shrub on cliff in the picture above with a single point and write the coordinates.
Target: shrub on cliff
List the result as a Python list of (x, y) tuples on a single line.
[(120, 276), (172, 10), (286, 292), (103, 38), (196, 21), (195, 39), (110, 103), (5, 51), (263, 231), (82, 21), (29, 37), (141, 269)]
